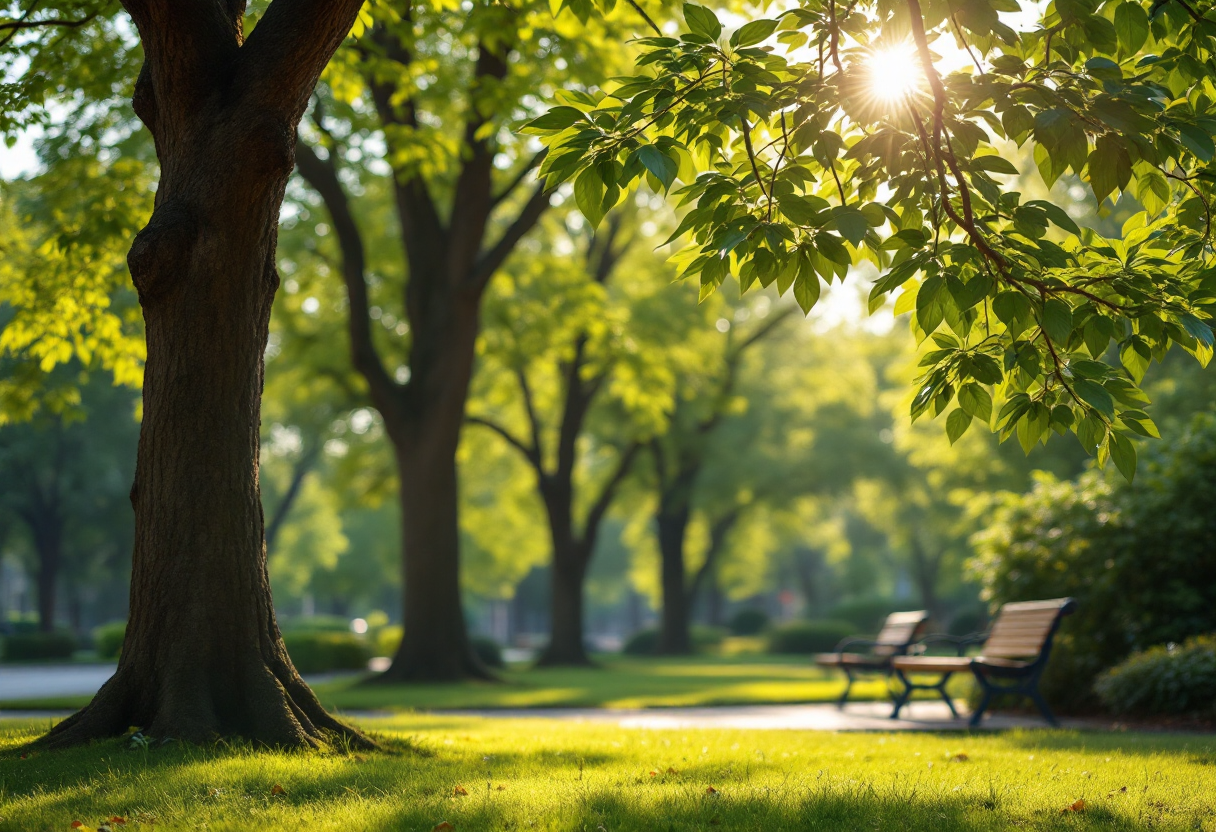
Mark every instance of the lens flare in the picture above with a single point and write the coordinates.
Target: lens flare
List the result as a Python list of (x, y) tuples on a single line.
[(894, 72)]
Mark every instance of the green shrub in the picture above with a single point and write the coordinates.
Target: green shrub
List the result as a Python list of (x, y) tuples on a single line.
[(388, 639), (321, 652), (1137, 558), (107, 639), (749, 622), (644, 642), (799, 637), (316, 624), (488, 650), (25, 647), (1164, 680), (866, 614), (641, 643)]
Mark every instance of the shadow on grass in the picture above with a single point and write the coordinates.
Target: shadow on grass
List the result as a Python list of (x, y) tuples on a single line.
[(1195, 748)]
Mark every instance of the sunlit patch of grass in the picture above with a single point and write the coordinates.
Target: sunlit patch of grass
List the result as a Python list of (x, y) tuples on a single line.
[(486, 774)]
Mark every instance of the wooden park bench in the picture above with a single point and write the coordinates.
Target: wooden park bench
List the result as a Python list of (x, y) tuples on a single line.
[(1012, 658), (899, 632)]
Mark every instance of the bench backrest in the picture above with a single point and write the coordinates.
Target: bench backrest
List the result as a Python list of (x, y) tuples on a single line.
[(899, 631), (1023, 629)]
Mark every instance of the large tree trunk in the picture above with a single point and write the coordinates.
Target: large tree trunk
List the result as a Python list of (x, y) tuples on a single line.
[(203, 657), (435, 646), (674, 638), (567, 575)]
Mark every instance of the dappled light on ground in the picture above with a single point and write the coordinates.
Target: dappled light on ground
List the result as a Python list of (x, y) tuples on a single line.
[(532, 774)]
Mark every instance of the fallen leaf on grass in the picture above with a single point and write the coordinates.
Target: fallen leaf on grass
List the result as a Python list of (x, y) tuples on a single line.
[(277, 789), (960, 757), (654, 773), (460, 791), (1079, 806), (442, 826), (710, 790), (500, 788), (80, 827), (116, 819), (672, 770)]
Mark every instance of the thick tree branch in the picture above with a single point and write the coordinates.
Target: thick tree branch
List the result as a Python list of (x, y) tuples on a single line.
[(323, 177), (531, 454), (493, 258), (718, 533), (519, 178), (525, 390), (290, 46), (595, 515)]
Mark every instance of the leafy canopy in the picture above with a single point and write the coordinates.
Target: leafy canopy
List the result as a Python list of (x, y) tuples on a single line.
[(798, 158)]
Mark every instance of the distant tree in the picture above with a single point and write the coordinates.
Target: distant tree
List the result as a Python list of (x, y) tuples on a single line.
[(572, 342), (65, 487)]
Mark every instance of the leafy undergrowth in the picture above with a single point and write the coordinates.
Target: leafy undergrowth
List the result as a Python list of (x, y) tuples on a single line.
[(617, 683), (486, 774)]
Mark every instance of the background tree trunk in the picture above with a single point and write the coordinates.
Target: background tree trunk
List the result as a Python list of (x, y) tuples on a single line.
[(203, 656), (674, 638), (566, 636), (48, 543)]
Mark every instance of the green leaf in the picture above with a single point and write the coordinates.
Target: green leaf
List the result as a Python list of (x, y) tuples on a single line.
[(663, 168), (1131, 26), (1109, 167), (1095, 395), (975, 400), (852, 224), (702, 21), (1057, 320), (806, 289), (589, 195), (1056, 214), (753, 32), (1198, 330), (956, 424), (1123, 452), (993, 164), (1135, 355), (559, 118)]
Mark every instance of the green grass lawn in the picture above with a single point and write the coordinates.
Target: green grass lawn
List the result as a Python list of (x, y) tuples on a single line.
[(618, 683), (495, 774)]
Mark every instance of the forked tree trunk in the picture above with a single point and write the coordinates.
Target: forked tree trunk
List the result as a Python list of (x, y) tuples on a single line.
[(203, 657)]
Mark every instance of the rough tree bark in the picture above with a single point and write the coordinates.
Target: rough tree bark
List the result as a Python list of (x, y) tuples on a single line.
[(203, 657), (449, 263), (572, 547)]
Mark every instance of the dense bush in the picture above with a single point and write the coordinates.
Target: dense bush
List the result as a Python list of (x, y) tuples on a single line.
[(24, 647), (810, 636), (750, 622), (488, 650), (641, 643), (1164, 680), (1138, 559), (320, 652), (866, 614), (107, 639)]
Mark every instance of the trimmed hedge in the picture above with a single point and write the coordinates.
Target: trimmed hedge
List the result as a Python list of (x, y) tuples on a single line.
[(800, 637), (321, 652), (107, 638), (488, 650), (1167, 680), (867, 615), (749, 622), (24, 647)]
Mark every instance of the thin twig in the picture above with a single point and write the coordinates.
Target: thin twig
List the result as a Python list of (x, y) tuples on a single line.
[(645, 17)]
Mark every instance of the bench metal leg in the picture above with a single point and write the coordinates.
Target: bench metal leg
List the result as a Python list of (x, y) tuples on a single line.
[(1038, 699), (941, 688), (902, 697), (844, 697)]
